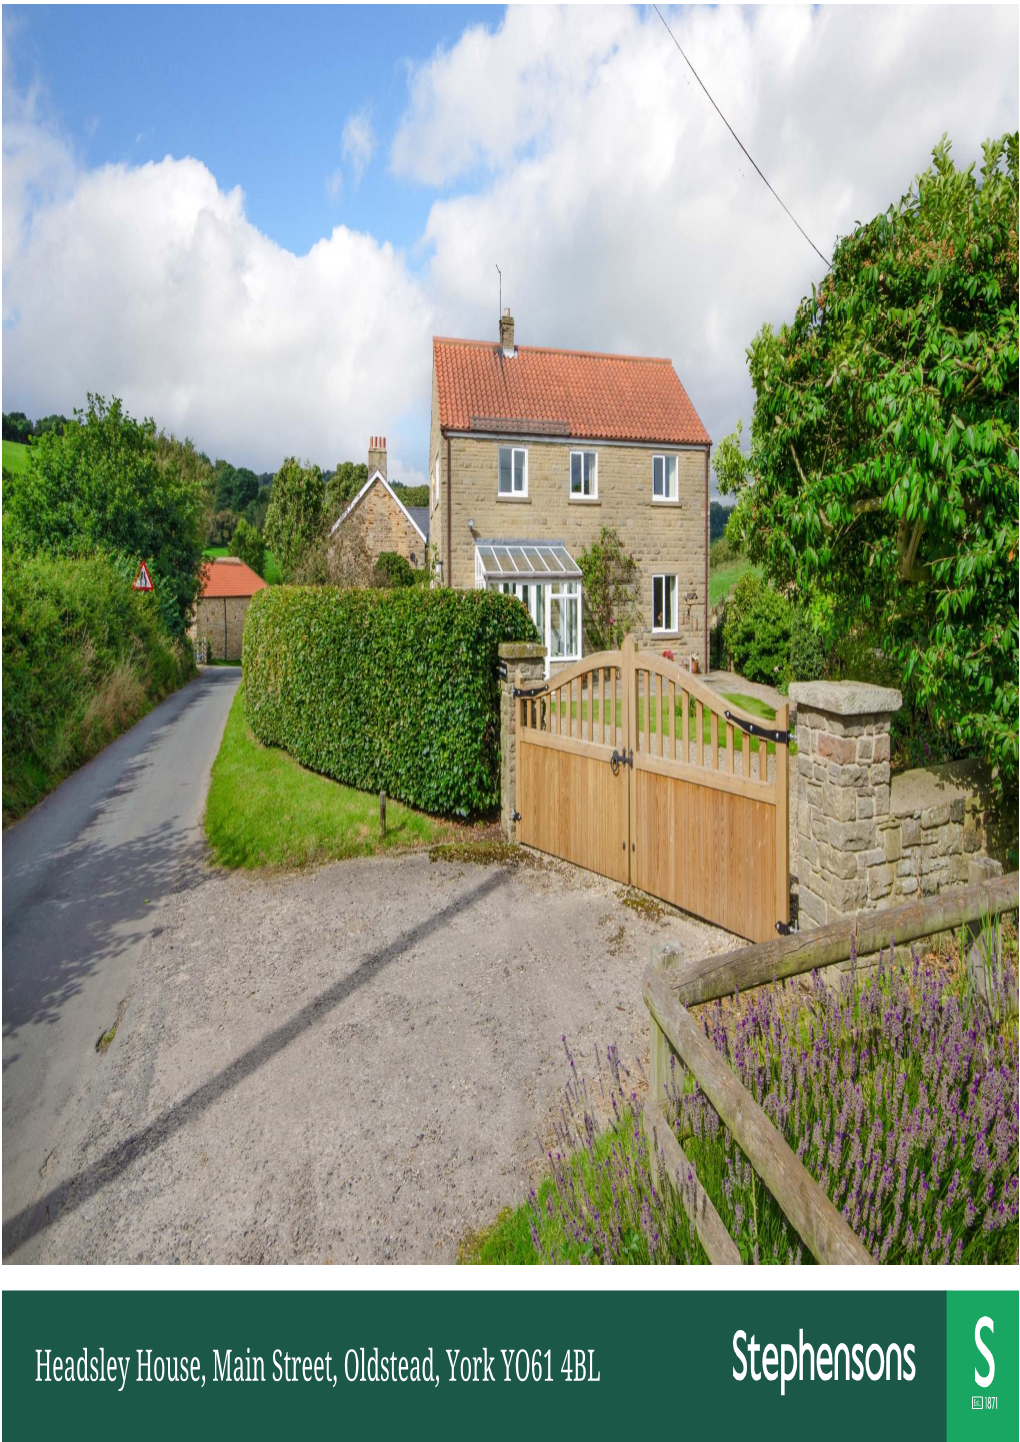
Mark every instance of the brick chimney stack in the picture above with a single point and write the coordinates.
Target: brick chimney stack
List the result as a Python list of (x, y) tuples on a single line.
[(506, 332), (377, 455)]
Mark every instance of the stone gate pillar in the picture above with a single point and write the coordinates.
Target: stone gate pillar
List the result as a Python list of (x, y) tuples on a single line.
[(843, 788), (524, 663)]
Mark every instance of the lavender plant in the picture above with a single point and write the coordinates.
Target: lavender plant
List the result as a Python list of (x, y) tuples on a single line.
[(600, 1204), (899, 1094)]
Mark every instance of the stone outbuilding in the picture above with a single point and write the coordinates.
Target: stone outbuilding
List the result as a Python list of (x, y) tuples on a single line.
[(386, 524), (227, 587)]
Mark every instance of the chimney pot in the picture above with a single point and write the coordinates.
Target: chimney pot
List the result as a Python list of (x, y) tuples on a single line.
[(377, 455), (506, 332)]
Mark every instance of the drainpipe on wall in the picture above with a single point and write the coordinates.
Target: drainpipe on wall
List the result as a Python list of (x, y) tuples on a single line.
[(708, 532), (224, 628), (449, 517)]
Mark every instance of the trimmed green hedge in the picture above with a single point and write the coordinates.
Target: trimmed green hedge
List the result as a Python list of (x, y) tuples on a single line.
[(391, 691)]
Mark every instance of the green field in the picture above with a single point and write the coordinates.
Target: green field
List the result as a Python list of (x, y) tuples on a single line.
[(273, 573), (722, 579), (265, 809), (15, 456)]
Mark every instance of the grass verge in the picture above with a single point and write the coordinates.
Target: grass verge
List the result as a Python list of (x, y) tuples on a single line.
[(265, 809)]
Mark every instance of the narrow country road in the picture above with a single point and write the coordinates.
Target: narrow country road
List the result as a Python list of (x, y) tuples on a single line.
[(80, 876)]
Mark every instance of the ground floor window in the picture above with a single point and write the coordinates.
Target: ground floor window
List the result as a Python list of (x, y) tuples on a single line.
[(664, 603), (555, 608)]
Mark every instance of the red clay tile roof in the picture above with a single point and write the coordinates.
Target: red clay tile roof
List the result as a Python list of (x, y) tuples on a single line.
[(562, 393), (228, 576)]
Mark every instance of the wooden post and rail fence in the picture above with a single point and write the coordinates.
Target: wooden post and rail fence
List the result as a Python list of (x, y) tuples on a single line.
[(670, 987)]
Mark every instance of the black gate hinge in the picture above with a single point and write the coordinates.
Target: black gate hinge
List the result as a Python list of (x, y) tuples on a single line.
[(621, 758), (762, 733), (530, 691), (516, 816)]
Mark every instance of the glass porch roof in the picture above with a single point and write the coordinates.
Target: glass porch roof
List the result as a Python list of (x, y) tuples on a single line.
[(525, 561)]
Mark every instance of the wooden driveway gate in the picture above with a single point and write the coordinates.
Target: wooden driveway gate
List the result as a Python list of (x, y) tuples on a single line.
[(631, 767)]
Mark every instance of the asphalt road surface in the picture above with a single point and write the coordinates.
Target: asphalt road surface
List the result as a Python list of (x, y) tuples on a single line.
[(81, 876)]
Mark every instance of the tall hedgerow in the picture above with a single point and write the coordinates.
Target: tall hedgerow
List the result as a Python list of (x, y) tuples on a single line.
[(84, 656), (392, 691)]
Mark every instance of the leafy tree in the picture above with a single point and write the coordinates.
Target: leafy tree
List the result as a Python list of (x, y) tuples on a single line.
[(718, 515), (17, 427), (344, 484), (245, 489), (256, 510), (608, 577), (882, 478), (115, 485), (248, 545), (294, 517), (221, 528), (411, 495), (223, 496)]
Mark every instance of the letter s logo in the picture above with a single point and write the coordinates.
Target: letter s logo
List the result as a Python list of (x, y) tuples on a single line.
[(985, 1351)]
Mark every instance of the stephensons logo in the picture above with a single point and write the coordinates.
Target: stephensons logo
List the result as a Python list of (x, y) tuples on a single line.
[(846, 1362)]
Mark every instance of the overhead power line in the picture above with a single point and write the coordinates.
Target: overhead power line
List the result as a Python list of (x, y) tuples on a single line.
[(737, 138)]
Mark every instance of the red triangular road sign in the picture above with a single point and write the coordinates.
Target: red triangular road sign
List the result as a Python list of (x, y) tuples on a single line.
[(143, 581)]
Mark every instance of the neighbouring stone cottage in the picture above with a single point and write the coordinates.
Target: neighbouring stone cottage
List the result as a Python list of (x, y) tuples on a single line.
[(227, 587), (386, 524)]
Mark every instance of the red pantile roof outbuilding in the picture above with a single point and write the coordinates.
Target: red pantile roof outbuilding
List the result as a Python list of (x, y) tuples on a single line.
[(577, 394), (229, 576)]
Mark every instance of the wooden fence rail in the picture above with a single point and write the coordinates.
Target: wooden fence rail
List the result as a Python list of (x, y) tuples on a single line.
[(669, 989), (709, 977)]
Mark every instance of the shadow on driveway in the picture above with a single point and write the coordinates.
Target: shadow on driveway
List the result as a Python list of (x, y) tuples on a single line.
[(70, 1195)]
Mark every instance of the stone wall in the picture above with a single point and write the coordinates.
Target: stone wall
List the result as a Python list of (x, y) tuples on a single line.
[(865, 838), (524, 662), (220, 619)]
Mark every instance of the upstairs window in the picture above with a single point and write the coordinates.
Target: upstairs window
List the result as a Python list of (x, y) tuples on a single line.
[(664, 478), (513, 471), (584, 475), (664, 603)]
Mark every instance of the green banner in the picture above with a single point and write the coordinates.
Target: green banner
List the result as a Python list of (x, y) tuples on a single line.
[(492, 1363)]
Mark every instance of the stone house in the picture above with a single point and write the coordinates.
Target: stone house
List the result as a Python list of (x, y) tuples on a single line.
[(386, 524), (227, 587), (533, 451)]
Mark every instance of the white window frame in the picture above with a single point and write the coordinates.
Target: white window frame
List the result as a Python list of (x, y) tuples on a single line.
[(593, 495), (512, 494), (539, 608), (566, 590), (665, 499), (674, 616)]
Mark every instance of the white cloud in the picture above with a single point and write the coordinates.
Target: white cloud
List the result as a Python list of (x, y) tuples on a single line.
[(573, 148), (149, 282), (622, 213), (357, 143)]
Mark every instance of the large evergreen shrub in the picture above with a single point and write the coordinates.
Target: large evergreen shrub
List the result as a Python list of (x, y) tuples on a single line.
[(391, 691)]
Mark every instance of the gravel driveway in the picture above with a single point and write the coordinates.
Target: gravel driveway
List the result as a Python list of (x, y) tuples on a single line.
[(351, 1064)]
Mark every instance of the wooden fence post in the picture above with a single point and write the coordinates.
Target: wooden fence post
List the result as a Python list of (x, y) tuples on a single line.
[(783, 818)]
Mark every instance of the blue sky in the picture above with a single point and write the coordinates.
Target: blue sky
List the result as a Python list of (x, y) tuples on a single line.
[(259, 93), (249, 222)]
